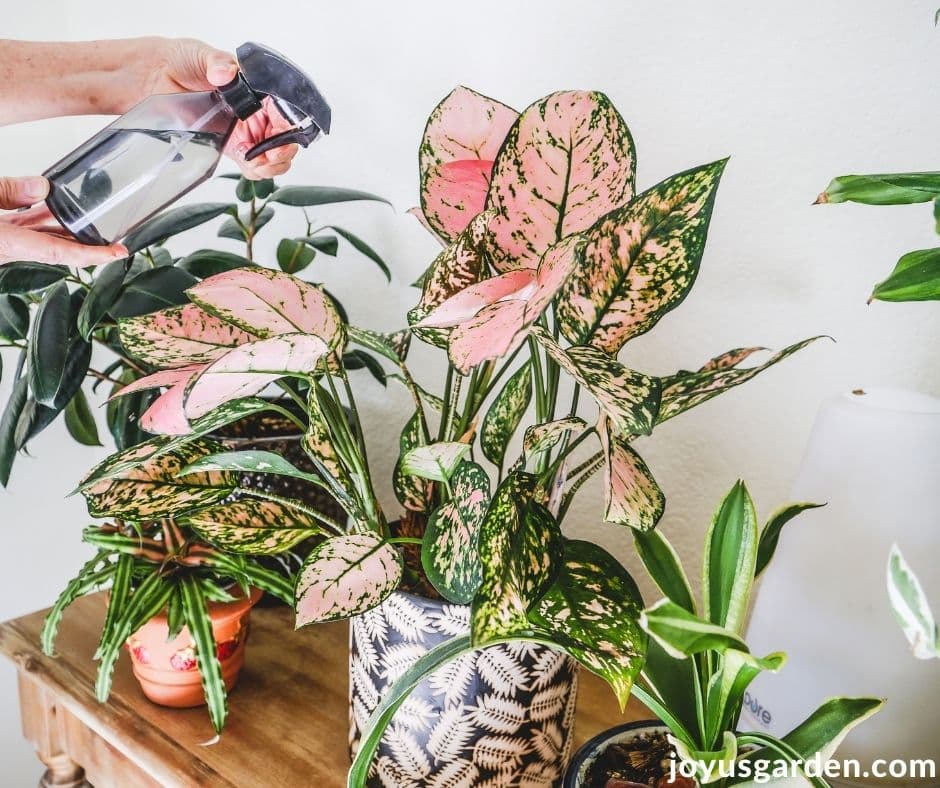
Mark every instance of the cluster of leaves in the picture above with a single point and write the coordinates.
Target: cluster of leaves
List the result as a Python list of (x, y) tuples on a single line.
[(55, 316), (698, 667), (916, 277)]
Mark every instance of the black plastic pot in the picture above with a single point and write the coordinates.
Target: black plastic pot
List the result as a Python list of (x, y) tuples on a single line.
[(583, 759)]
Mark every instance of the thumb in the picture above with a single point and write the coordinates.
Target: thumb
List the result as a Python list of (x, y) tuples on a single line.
[(220, 67), (20, 192)]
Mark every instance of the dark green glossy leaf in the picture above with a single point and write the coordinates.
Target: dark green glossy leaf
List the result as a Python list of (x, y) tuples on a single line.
[(592, 610), (153, 289), (174, 221), (770, 535), (363, 248), (328, 244), (263, 188), (230, 228), (664, 567), (209, 262), (244, 190), (320, 195), (359, 359), (294, 256), (11, 416), (25, 277), (80, 422), (14, 317), (916, 277), (49, 345), (104, 292)]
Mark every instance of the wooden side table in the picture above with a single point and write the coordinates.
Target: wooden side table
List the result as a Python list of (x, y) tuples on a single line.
[(288, 715)]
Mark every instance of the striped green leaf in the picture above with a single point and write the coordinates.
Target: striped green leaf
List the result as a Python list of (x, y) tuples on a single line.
[(633, 497), (436, 461), (911, 608), (567, 161), (319, 443), (685, 390), (520, 548), (903, 188), (253, 527), (252, 461), (770, 535), (345, 576), (916, 277), (664, 567), (542, 437), (504, 414), (683, 634), (628, 398), (725, 691), (640, 262), (592, 610), (730, 560), (449, 552), (117, 598), (93, 575), (196, 615), (154, 489)]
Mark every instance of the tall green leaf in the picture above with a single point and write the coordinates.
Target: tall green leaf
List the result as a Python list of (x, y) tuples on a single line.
[(196, 614), (770, 535), (504, 415), (730, 560), (664, 567), (683, 634), (901, 188)]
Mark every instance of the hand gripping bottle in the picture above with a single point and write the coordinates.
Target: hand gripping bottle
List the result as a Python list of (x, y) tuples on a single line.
[(166, 145)]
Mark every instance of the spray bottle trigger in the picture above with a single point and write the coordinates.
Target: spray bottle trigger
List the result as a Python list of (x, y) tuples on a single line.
[(302, 137)]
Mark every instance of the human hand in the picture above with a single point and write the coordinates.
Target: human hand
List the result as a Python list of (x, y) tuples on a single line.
[(35, 235), (186, 64)]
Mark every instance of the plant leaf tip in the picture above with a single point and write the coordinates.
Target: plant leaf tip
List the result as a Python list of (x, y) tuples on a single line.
[(822, 199)]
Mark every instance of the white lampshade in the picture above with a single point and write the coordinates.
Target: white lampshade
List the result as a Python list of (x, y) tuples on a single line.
[(874, 457)]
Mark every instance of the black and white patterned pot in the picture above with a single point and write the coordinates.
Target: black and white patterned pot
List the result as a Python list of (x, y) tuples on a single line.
[(501, 716)]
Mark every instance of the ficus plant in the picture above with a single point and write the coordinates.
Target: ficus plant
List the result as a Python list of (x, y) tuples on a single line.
[(550, 264), (698, 666), (55, 316)]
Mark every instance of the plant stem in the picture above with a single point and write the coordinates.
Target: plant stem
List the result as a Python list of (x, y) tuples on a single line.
[(101, 376), (250, 230), (445, 412), (404, 540)]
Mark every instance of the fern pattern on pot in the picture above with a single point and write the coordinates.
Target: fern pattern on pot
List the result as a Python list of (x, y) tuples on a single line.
[(500, 716)]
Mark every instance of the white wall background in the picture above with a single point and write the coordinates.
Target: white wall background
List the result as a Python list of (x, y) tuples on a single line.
[(795, 93)]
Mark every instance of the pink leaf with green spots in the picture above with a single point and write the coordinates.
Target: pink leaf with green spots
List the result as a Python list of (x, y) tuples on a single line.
[(267, 303), (632, 496), (165, 415), (640, 262), (345, 576), (179, 337), (462, 137), (253, 527), (566, 162), (248, 369), (542, 437)]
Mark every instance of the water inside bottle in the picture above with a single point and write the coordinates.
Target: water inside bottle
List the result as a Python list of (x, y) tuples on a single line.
[(119, 177)]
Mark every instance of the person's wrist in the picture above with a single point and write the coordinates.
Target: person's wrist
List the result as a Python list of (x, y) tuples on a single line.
[(145, 60)]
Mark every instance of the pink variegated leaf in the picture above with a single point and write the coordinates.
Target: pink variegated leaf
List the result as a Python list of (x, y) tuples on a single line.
[(248, 369), (345, 576), (179, 337), (632, 496), (165, 415), (641, 261), (464, 305), (165, 378), (423, 221), (267, 303), (685, 390), (629, 398), (496, 331), (566, 162), (449, 551), (462, 137), (730, 359), (253, 527)]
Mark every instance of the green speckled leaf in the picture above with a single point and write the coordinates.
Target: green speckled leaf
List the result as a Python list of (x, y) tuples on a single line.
[(449, 551), (566, 162), (318, 443), (459, 265), (411, 491), (153, 490), (685, 390), (592, 610), (503, 417), (520, 549), (628, 398), (640, 262), (436, 461), (250, 526), (632, 496), (345, 576), (542, 437)]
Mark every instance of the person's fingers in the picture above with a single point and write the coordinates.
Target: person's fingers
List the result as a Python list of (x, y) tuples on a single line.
[(262, 171), (285, 153), (20, 192), (19, 243), (220, 67), (36, 217)]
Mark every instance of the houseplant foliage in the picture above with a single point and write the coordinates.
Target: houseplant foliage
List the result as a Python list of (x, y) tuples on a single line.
[(698, 667), (55, 316), (911, 607)]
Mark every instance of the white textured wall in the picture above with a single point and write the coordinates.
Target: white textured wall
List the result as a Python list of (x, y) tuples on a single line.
[(794, 92)]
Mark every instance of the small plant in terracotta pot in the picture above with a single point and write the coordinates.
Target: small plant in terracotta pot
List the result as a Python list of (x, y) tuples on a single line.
[(176, 602), (698, 669)]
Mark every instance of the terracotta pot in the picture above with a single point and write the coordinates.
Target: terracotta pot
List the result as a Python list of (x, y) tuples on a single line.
[(502, 715), (588, 753), (167, 670)]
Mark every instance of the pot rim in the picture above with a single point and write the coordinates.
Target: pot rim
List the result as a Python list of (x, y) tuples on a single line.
[(594, 744), (222, 611)]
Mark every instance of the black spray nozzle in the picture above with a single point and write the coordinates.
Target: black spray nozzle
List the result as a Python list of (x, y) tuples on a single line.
[(264, 72)]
